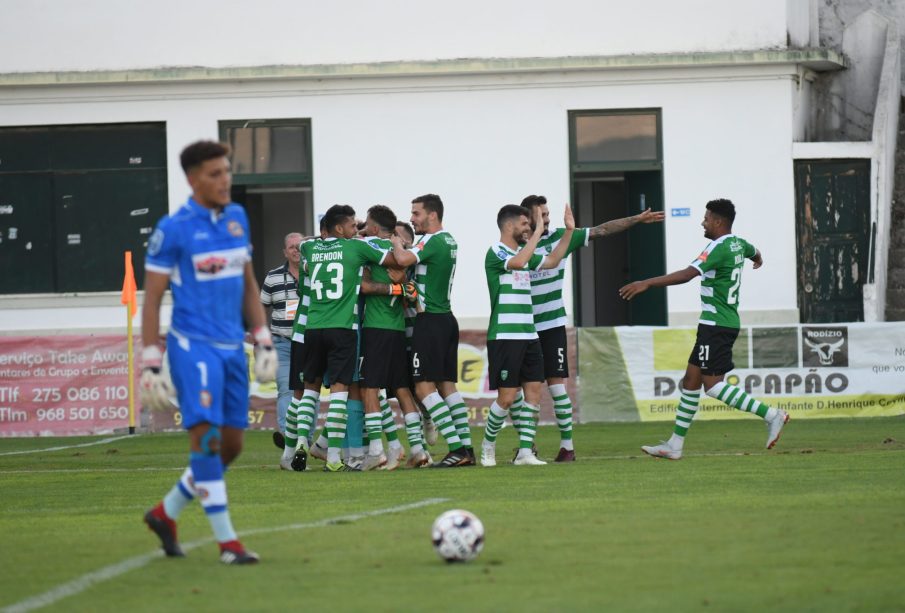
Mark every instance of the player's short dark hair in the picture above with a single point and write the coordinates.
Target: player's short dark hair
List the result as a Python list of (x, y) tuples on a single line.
[(529, 202), (199, 152), (722, 207), (511, 211), (337, 214), (383, 216), (408, 230), (431, 204)]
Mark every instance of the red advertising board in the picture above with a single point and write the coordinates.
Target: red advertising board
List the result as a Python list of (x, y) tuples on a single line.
[(56, 385)]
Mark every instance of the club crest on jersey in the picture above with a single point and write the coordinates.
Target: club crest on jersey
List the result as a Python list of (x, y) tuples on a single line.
[(205, 399), (235, 228), (548, 249), (155, 242)]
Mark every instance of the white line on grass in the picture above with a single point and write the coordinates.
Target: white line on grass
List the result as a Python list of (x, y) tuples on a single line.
[(82, 583), (91, 444)]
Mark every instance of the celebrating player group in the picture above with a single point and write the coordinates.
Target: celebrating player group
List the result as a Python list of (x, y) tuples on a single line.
[(374, 322)]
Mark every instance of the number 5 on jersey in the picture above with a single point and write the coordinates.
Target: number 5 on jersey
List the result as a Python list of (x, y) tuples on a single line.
[(335, 270)]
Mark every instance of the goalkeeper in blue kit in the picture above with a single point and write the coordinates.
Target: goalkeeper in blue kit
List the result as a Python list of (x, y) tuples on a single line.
[(202, 252)]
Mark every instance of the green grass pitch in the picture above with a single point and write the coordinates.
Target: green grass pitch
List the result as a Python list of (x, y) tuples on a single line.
[(818, 524)]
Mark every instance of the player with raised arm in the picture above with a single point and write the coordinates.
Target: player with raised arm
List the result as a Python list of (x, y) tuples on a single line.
[(513, 348), (435, 340), (720, 267), (331, 340), (550, 312), (203, 252)]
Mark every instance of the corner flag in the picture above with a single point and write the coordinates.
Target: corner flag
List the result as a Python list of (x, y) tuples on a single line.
[(129, 288)]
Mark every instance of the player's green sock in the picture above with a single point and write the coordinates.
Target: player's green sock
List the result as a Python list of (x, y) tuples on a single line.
[(688, 406), (736, 398), (528, 429), (336, 425), (515, 411), (387, 419), (459, 412), (373, 427), (439, 413), (307, 415), (413, 431), (494, 422), (562, 411), (292, 420)]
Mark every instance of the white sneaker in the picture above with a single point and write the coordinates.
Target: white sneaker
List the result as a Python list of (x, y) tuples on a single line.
[(663, 450), (316, 451), (488, 456), (395, 455), (419, 459), (774, 427), (430, 431), (372, 462), (528, 459), (355, 462)]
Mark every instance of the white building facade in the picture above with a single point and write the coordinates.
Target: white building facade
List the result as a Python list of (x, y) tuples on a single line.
[(612, 106)]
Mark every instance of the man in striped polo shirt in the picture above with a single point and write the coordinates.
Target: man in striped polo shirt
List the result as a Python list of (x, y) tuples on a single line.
[(720, 267), (279, 294), (550, 312), (513, 347)]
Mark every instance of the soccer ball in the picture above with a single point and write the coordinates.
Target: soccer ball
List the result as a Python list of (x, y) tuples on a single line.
[(458, 536)]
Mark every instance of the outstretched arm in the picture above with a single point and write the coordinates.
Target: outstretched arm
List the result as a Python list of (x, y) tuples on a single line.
[(616, 226), (674, 278)]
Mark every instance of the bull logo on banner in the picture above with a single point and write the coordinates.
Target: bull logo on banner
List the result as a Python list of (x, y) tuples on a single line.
[(824, 346)]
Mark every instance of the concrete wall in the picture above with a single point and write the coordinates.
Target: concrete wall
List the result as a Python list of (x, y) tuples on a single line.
[(49, 35)]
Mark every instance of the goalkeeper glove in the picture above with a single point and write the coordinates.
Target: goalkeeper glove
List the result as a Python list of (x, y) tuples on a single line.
[(155, 388), (266, 361), (407, 290)]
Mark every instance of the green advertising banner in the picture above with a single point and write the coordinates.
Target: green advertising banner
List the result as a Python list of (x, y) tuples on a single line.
[(809, 370)]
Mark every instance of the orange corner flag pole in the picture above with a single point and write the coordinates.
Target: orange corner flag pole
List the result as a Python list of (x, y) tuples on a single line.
[(129, 299)]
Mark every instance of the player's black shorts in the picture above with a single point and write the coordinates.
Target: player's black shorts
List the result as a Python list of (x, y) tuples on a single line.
[(556, 352), (330, 354), (435, 348), (514, 362), (713, 349), (296, 365), (384, 360)]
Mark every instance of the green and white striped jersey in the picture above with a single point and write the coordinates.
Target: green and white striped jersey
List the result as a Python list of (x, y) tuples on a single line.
[(720, 265), (382, 311), (435, 270), (510, 295), (303, 290), (334, 267), (546, 285)]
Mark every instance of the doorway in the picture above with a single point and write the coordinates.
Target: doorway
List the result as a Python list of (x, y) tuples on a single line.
[(617, 171), (613, 261), (273, 212)]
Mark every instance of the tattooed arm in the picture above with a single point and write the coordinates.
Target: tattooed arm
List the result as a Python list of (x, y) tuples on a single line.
[(620, 225)]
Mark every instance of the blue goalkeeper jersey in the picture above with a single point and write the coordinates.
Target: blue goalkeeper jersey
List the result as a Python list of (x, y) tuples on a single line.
[(204, 253)]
